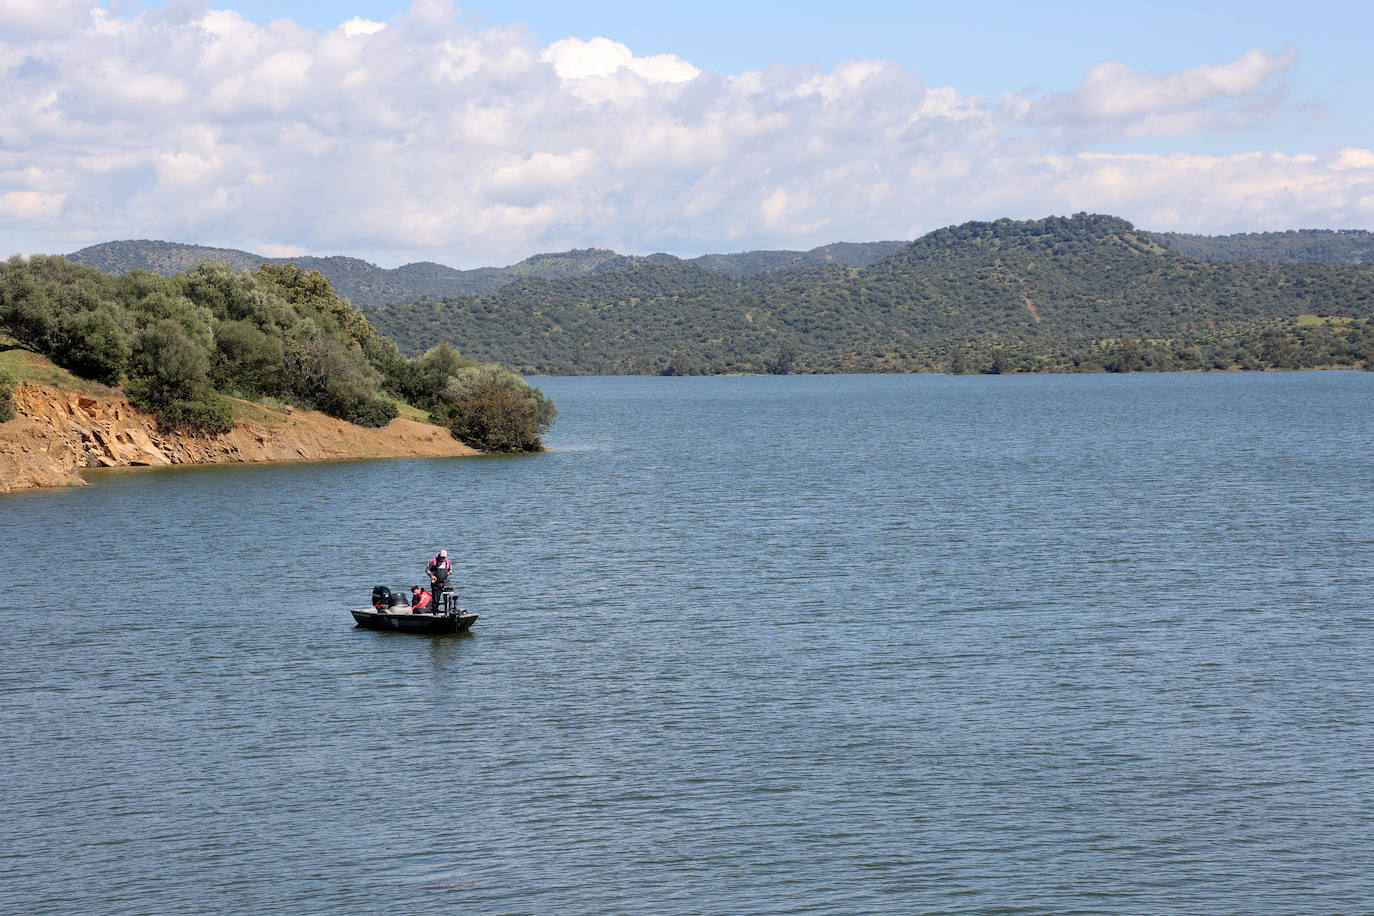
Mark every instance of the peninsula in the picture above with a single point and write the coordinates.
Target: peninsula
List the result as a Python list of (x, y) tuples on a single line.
[(59, 432), (215, 366)]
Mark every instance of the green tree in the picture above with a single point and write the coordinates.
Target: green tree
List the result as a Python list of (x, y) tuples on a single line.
[(169, 375), (234, 296), (1279, 351), (958, 362), (679, 364), (494, 410), (785, 361), (398, 373), (1127, 358), (248, 361), (93, 344), (430, 374), (26, 313), (331, 375), (313, 290)]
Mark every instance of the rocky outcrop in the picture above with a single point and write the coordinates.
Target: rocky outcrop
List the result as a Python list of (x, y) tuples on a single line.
[(59, 433)]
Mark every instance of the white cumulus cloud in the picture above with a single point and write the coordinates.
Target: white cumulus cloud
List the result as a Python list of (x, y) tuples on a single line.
[(426, 138), (573, 59), (358, 26), (1114, 96)]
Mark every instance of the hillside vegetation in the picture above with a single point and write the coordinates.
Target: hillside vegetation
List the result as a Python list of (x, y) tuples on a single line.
[(1320, 246), (366, 284), (749, 263), (180, 344), (1079, 293)]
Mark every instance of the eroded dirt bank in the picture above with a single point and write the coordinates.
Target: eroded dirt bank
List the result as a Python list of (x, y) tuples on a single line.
[(58, 433)]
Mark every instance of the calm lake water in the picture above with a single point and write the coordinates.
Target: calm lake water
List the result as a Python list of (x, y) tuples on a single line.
[(1044, 644)]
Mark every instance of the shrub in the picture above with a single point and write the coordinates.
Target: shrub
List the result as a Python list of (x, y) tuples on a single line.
[(336, 379), (169, 375), (6, 392), (93, 344), (494, 410), (372, 412), (234, 296), (211, 413), (431, 374), (399, 374), (248, 361), (314, 291)]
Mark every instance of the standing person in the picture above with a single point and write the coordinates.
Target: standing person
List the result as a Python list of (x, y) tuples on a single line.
[(438, 569), (420, 600)]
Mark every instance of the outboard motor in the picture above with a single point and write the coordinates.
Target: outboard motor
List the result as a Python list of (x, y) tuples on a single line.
[(400, 599), (381, 597)]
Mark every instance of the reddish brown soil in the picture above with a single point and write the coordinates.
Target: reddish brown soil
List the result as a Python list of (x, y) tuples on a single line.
[(58, 433)]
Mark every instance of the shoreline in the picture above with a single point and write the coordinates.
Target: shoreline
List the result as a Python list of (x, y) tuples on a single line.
[(57, 434)]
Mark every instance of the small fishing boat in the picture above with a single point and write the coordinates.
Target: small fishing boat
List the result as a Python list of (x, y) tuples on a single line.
[(391, 610)]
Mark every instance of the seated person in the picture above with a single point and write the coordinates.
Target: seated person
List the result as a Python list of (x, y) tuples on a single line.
[(420, 601)]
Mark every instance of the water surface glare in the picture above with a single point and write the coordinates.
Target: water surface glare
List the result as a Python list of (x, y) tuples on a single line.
[(849, 644)]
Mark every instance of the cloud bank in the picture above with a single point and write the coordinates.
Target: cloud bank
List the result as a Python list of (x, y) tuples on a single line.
[(425, 138)]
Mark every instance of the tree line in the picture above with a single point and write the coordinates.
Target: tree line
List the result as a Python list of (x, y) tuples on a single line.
[(1303, 343), (182, 345)]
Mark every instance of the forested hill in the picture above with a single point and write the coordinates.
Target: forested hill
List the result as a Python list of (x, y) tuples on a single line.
[(366, 284), (1325, 246), (1049, 293), (361, 282), (748, 263)]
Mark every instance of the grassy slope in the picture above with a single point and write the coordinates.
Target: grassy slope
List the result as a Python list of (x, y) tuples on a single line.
[(27, 366), (30, 367)]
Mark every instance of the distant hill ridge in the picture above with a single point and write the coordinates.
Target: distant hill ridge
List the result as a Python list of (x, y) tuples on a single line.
[(366, 284), (1056, 290), (1054, 294), (1316, 246)]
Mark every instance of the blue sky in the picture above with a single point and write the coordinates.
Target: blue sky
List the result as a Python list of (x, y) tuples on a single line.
[(990, 46), (477, 135), (987, 48)]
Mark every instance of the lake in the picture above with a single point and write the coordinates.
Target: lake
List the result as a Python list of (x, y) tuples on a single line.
[(822, 644)]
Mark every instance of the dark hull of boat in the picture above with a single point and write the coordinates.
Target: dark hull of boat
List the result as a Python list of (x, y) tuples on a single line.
[(406, 622)]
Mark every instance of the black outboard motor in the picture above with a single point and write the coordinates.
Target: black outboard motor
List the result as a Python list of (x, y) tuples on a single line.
[(381, 597), (400, 599)]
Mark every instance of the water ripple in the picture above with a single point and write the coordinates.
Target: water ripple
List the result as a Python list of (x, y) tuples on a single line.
[(862, 645)]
